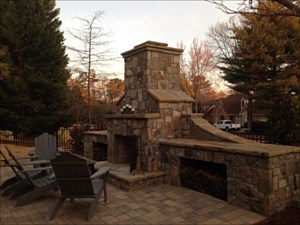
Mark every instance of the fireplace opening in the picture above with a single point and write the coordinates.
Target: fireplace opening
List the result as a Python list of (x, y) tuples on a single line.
[(206, 177), (99, 151), (127, 148)]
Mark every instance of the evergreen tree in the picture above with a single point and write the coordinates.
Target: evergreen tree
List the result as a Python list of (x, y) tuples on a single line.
[(3, 63), (265, 59), (33, 95)]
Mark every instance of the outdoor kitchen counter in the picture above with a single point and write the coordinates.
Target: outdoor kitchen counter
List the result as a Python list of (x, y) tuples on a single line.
[(255, 149)]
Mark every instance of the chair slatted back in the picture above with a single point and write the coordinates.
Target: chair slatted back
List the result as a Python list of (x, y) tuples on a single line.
[(7, 163), (45, 146), (20, 167), (73, 176)]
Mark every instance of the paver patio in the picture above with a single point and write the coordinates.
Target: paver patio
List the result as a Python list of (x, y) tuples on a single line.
[(163, 204)]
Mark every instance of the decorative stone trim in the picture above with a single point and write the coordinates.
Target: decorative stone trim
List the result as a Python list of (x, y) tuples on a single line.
[(127, 109)]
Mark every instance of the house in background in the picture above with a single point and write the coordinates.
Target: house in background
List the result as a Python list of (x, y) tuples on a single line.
[(234, 108)]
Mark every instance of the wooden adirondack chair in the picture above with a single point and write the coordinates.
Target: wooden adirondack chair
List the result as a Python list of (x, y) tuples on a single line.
[(45, 147), (18, 177), (31, 188), (74, 180)]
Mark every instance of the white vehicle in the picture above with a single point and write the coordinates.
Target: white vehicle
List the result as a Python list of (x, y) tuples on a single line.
[(227, 125)]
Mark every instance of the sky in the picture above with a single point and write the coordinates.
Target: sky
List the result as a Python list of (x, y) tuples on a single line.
[(133, 22)]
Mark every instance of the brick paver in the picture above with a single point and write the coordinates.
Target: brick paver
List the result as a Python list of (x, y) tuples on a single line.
[(163, 204)]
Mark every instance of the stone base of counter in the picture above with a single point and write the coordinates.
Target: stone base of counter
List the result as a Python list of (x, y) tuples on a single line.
[(261, 178)]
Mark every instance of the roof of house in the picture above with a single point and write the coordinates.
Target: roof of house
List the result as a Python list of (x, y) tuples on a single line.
[(232, 104), (210, 107), (209, 111)]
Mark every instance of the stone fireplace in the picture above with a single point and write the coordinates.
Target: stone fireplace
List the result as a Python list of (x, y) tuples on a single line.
[(150, 108), (154, 131)]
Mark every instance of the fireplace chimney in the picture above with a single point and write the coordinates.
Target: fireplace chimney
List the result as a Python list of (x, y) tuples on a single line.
[(151, 106)]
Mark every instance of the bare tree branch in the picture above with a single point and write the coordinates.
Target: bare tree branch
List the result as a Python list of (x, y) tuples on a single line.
[(292, 8), (292, 5), (92, 51)]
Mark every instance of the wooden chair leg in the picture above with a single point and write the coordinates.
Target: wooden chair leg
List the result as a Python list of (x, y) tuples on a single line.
[(56, 208), (93, 205), (105, 191)]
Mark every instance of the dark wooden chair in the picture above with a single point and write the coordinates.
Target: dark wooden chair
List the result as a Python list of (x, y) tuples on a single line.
[(74, 180), (45, 147), (30, 189), (18, 176)]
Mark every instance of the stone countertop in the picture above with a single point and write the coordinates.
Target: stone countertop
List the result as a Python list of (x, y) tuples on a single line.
[(255, 149), (133, 116), (170, 95), (101, 132)]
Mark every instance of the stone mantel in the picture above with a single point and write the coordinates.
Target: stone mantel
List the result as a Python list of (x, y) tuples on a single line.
[(96, 133), (253, 149), (133, 116)]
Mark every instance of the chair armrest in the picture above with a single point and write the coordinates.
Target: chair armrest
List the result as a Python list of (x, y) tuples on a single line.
[(32, 163), (36, 169), (61, 150), (35, 162), (21, 158), (104, 170), (52, 176)]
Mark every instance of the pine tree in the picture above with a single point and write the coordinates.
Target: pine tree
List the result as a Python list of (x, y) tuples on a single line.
[(3, 63), (265, 60), (33, 95)]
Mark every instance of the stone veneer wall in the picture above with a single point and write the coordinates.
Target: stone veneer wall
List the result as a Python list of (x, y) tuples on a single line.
[(151, 87), (91, 137), (150, 65), (190, 130), (193, 126), (264, 184), (149, 127)]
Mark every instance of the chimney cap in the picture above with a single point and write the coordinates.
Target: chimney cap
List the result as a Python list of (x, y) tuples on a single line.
[(152, 46)]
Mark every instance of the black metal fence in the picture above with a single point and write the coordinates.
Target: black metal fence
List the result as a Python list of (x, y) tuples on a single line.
[(255, 137), (65, 140), (63, 136), (7, 137)]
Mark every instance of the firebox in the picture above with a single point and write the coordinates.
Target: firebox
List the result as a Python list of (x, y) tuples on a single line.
[(127, 148), (206, 177), (99, 151)]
